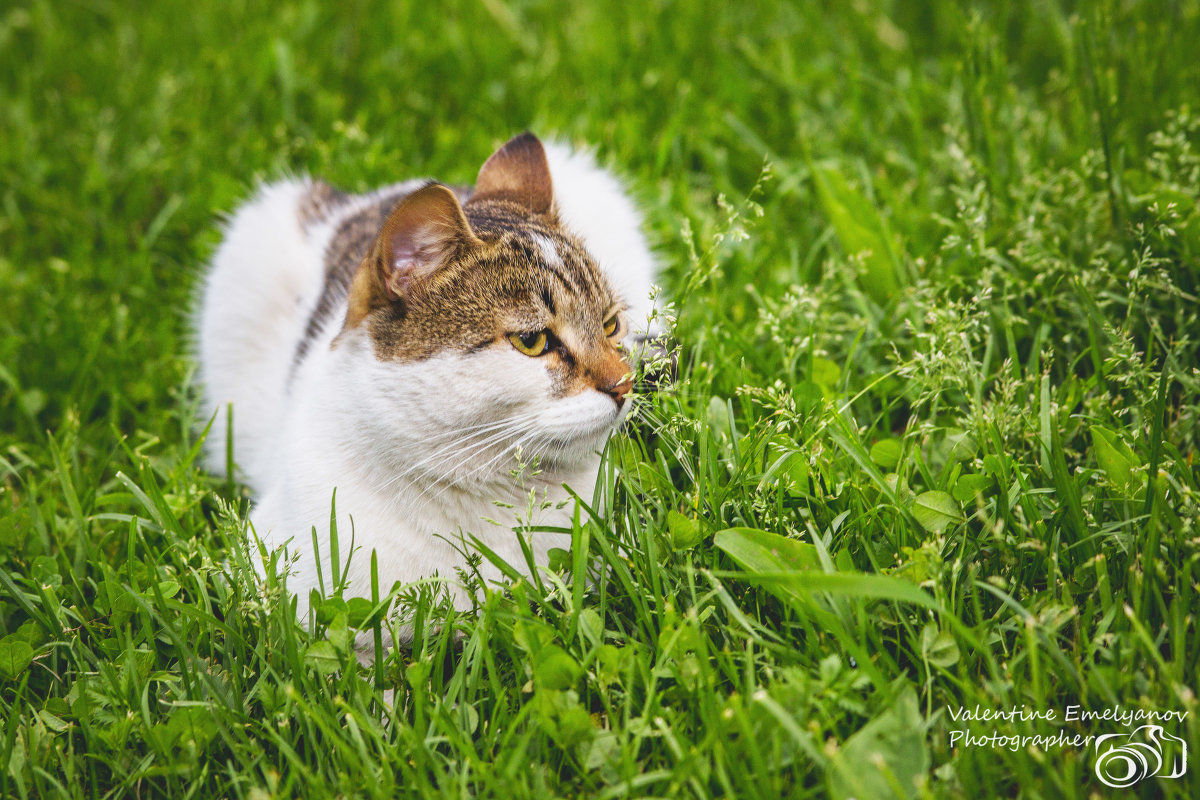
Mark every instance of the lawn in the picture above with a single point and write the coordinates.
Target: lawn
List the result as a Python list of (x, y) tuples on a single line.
[(931, 456)]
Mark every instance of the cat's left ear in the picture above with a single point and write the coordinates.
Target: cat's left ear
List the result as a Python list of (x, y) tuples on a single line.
[(518, 172), (424, 231)]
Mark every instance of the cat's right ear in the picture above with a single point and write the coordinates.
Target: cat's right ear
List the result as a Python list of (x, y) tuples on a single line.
[(520, 173), (424, 231)]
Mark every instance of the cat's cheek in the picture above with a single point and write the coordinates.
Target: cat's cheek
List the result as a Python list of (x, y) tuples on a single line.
[(501, 382), (539, 388)]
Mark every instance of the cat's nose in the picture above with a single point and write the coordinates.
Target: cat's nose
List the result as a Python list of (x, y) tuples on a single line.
[(618, 391), (610, 374)]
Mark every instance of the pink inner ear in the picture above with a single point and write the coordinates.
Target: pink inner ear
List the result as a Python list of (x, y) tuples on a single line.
[(406, 257), (401, 276), (409, 260)]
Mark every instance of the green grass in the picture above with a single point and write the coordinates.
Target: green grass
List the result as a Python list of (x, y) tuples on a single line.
[(934, 442)]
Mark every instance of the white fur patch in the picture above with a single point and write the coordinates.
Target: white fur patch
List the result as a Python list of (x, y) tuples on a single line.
[(548, 250)]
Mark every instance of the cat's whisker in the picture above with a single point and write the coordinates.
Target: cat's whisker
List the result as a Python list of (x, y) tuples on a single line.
[(459, 432), (447, 482), (518, 436), (457, 435), (455, 447), (475, 448)]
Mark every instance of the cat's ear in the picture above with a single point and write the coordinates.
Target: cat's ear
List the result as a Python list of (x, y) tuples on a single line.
[(424, 231), (518, 172)]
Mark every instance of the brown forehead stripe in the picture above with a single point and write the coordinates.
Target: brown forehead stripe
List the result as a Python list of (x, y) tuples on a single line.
[(500, 221)]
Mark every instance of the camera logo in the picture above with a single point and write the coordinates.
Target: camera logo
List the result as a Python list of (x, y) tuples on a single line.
[(1126, 758)]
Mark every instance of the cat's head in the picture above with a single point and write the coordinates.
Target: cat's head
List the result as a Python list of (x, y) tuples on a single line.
[(497, 320)]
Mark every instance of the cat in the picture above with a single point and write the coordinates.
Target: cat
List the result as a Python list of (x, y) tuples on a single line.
[(412, 348)]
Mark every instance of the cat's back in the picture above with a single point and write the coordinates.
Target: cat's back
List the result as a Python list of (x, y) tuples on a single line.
[(273, 287)]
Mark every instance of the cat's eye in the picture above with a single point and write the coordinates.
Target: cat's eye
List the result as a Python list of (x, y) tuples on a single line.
[(535, 343), (612, 325)]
